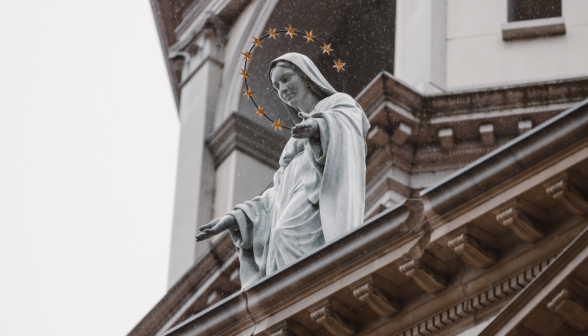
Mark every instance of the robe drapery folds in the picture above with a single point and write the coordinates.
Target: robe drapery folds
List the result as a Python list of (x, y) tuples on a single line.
[(319, 189)]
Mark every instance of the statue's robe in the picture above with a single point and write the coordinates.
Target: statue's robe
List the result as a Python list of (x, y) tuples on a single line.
[(317, 196)]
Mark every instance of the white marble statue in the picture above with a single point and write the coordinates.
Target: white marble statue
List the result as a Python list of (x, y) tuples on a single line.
[(319, 190)]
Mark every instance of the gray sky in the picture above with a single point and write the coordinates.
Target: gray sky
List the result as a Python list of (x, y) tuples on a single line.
[(88, 146)]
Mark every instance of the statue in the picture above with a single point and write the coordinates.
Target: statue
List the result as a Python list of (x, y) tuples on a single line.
[(319, 189)]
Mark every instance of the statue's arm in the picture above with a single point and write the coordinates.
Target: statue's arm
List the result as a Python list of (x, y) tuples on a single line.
[(308, 128), (242, 218), (216, 227)]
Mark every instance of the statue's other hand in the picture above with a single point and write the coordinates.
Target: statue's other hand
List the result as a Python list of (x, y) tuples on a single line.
[(216, 226), (308, 128)]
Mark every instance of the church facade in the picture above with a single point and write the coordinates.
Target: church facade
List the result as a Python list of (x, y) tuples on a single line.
[(477, 168)]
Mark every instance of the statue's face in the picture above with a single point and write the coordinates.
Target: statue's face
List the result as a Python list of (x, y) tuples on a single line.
[(292, 89)]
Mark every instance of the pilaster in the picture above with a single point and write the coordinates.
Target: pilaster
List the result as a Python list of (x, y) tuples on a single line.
[(420, 52), (201, 77)]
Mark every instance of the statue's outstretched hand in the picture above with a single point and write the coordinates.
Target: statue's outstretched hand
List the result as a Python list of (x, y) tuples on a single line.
[(217, 226), (308, 128)]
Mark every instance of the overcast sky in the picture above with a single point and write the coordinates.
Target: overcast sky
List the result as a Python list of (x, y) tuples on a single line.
[(88, 147)]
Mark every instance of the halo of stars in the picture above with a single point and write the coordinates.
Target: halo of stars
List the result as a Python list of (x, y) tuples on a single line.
[(291, 32)]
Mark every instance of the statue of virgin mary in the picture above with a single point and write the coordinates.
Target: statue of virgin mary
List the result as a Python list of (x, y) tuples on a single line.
[(319, 189)]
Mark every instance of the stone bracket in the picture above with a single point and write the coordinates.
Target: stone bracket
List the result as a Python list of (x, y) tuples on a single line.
[(514, 216), (487, 134), (425, 277), (565, 188), (282, 332), (371, 291), (473, 251), (522, 331), (401, 134), (334, 316), (567, 305), (446, 138), (378, 136), (287, 328)]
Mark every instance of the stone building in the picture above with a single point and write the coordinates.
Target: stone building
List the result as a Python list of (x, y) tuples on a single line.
[(477, 168)]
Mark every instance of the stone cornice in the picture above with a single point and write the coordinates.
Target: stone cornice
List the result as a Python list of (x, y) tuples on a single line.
[(197, 68), (387, 87), (238, 132), (392, 105), (441, 133), (547, 139)]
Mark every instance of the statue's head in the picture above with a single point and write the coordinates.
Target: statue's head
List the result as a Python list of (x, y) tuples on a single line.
[(295, 78), (292, 84)]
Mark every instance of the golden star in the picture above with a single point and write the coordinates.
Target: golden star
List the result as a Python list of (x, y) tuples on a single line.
[(248, 93), (260, 111), (244, 74), (257, 42), (309, 37), (339, 65), (277, 125), (326, 48), (248, 56), (272, 33), (290, 31)]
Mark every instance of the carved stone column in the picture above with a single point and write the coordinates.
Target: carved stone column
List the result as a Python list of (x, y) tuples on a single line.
[(566, 188), (514, 216), (567, 305), (372, 290), (424, 276), (334, 316)]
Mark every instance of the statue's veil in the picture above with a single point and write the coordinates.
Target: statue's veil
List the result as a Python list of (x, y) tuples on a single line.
[(309, 69)]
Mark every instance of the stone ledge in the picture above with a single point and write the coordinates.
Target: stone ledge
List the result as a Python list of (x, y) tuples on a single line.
[(239, 132), (533, 28)]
